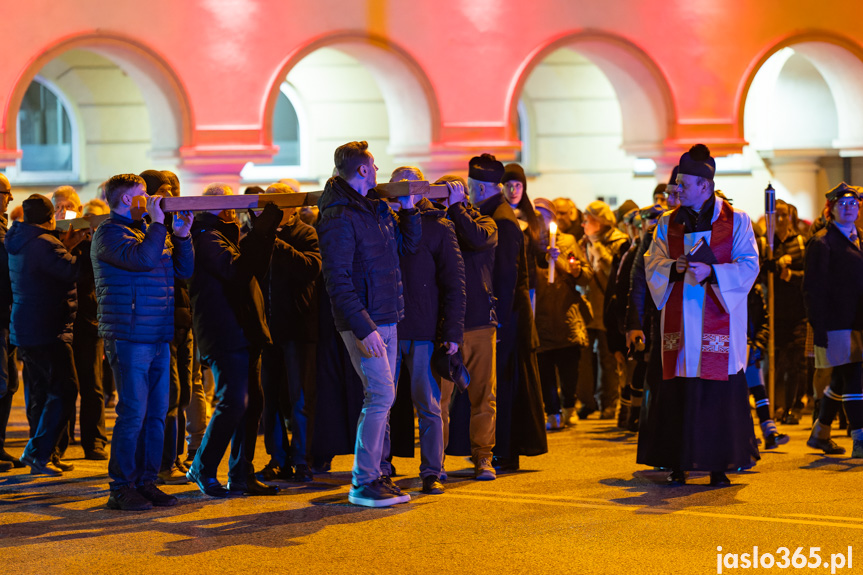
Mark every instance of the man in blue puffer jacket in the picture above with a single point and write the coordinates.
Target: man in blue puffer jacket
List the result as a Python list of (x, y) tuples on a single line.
[(361, 239), (135, 265), (44, 302)]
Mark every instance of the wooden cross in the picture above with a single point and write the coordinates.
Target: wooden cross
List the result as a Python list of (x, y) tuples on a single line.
[(258, 201)]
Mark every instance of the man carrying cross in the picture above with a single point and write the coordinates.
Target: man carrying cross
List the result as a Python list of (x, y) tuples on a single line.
[(701, 266)]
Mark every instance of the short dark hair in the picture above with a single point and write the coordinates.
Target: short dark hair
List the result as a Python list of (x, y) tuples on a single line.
[(350, 156), (119, 185)]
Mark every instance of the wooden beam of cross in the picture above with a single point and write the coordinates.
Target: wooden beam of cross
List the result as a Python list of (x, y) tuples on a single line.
[(258, 201)]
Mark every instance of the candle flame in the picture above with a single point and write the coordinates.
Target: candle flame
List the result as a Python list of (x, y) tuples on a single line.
[(552, 228)]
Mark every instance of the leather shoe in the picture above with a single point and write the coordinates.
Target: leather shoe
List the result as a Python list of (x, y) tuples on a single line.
[(96, 454), (676, 478), (719, 479), (432, 485), (36, 468), (6, 456), (252, 487), (5, 466), (62, 465), (302, 474), (208, 485)]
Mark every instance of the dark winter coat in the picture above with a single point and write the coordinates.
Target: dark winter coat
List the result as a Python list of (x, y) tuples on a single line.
[(361, 240), (557, 303), (227, 303), (87, 318), (433, 279), (758, 324), (833, 283), (616, 298), (43, 278), (510, 258), (477, 240), (789, 307), (5, 282), (292, 286), (135, 266)]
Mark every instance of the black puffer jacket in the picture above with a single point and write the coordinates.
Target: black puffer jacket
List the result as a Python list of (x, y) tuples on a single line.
[(227, 303), (477, 240), (43, 277), (361, 240), (433, 281), (292, 287)]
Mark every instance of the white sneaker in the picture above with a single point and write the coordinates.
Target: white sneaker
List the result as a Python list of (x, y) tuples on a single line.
[(553, 422)]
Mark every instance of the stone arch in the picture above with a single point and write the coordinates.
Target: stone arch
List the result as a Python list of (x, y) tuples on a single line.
[(839, 61), (646, 103), (411, 102), (166, 99)]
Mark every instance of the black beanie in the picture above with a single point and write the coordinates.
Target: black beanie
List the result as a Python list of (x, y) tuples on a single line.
[(697, 162), (514, 172), (37, 209), (485, 168), (154, 180), (672, 181)]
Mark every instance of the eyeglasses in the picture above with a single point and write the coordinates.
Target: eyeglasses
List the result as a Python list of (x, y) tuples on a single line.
[(847, 203)]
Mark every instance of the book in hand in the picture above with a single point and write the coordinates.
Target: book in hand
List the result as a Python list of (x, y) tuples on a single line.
[(701, 253)]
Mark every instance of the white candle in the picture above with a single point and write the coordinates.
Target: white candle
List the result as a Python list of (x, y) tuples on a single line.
[(552, 233)]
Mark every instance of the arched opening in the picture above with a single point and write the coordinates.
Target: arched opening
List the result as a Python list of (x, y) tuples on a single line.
[(126, 113), (46, 134), (587, 108), (803, 122), (350, 88)]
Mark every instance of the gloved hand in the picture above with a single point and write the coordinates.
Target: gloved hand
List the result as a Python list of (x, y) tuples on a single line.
[(268, 221)]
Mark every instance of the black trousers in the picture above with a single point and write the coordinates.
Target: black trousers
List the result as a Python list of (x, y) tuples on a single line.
[(88, 350), (559, 365), (8, 379)]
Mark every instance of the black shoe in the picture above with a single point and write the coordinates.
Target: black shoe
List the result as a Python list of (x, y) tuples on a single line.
[(128, 499), (62, 465), (156, 496), (719, 479), (676, 478), (208, 485), (5, 466), (302, 474), (623, 417), (432, 485), (271, 472), (96, 454), (828, 446), (252, 487), (774, 440), (585, 411), (376, 494), (505, 464), (634, 415), (790, 418), (387, 482), (36, 468), (322, 466), (6, 456)]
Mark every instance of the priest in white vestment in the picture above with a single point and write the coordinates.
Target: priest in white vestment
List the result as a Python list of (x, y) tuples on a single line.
[(700, 267)]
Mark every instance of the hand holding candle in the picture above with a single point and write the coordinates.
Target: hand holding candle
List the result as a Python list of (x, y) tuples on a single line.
[(552, 236)]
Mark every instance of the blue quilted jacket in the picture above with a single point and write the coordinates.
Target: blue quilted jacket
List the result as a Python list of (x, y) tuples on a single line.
[(135, 265)]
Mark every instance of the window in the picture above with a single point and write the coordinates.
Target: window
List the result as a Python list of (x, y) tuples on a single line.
[(291, 161), (46, 137)]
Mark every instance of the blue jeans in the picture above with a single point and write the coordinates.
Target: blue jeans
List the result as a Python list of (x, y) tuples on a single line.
[(141, 376), (55, 382), (236, 417), (379, 390), (415, 356)]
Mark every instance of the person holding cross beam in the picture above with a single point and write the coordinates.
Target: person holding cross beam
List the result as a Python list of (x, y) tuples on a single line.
[(361, 240)]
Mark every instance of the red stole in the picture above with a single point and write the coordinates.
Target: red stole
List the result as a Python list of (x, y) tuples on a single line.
[(716, 338)]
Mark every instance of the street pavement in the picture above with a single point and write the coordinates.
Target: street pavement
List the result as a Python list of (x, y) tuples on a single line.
[(584, 508)]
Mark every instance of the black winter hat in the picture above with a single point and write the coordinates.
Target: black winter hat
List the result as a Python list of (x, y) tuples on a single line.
[(485, 168), (697, 162), (513, 172), (451, 367), (37, 209), (154, 179)]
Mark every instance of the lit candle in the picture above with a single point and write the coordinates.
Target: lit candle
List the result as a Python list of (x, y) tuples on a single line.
[(552, 233)]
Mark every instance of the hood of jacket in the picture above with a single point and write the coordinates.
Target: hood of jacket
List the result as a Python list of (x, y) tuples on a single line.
[(21, 234), (429, 209)]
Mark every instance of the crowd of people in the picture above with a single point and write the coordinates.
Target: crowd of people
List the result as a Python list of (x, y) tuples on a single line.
[(494, 318)]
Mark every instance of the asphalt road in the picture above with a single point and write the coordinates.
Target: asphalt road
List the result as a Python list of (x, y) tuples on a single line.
[(585, 507)]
